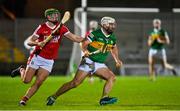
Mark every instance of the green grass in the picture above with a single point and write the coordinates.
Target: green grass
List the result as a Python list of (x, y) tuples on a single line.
[(133, 93)]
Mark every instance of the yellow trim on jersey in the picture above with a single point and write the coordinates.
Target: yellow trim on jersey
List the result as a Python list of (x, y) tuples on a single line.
[(155, 36), (100, 45), (109, 47), (96, 44)]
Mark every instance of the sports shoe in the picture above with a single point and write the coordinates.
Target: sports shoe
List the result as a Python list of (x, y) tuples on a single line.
[(16, 72), (174, 72), (22, 103), (50, 100), (153, 78), (108, 100)]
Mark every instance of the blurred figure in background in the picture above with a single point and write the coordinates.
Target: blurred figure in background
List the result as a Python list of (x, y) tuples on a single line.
[(93, 25), (156, 41)]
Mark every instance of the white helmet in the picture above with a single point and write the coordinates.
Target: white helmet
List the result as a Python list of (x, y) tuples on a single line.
[(157, 21), (93, 24), (107, 20)]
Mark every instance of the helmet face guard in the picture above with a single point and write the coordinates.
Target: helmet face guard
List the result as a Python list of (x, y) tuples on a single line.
[(157, 23), (109, 24), (52, 15)]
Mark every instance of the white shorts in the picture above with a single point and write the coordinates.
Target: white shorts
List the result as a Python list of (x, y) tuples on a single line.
[(90, 66), (161, 53), (37, 61)]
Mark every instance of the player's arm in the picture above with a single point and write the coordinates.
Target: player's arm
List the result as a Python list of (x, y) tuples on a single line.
[(150, 40), (164, 39), (115, 54), (73, 37), (84, 44), (167, 38), (32, 41), (26, 44)]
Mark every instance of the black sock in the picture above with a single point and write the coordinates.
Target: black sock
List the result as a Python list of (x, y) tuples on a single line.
[(174, 72)]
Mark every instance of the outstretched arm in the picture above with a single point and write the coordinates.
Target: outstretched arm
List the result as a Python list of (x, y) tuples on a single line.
[(114, 53), (73, 37), (84, 46)]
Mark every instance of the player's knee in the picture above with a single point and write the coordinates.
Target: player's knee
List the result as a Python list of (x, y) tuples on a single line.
[(112, 78), (26, 81), (75, 83)]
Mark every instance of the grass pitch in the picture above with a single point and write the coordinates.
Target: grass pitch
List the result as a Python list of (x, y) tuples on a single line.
[(133, 93)]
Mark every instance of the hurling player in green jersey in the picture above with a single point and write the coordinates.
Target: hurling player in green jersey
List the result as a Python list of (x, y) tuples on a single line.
[(96, 47), (156, 41)]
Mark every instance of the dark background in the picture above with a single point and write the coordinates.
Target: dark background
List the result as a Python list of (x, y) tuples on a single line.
[(19, 18), (35, 8)]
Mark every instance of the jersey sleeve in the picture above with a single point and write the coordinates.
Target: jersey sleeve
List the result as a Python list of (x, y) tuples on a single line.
[(38, 31), (165, 33), (91, 37), (64, 30), (150, 33)]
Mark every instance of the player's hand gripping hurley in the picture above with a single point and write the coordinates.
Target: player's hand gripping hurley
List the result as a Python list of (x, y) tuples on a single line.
[(65, 18)]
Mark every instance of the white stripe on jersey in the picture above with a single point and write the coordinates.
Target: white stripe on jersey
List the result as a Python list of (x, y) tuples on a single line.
[(35, 32), (67, 33)]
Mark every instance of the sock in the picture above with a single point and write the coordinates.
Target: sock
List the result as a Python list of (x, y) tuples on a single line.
[(24, 99), (174, 72), (54, 97)]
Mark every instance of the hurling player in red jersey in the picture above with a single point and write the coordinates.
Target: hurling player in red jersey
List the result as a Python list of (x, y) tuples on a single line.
[(41, 61)]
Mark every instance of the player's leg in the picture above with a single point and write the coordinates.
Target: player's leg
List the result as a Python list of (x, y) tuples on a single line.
[(107, 75), (16, 71), (77, 80), (91, 79), (44, 67), (166, 64), (151, 68), (41, 76), (151, 60), (28, 72)]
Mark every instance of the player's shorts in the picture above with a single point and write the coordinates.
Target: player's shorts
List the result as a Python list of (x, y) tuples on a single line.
[(90, 66), (37, 61), (159, 53)]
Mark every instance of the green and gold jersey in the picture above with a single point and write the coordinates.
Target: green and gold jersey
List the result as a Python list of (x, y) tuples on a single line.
[(157, 34), (99, 41)]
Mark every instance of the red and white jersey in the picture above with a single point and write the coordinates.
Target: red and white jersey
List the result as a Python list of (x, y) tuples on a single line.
[(50, 50), (88, 32)]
